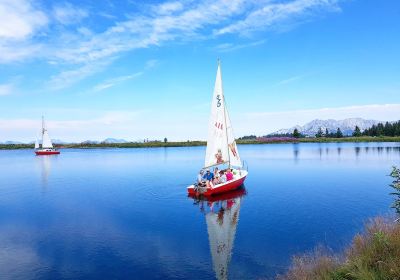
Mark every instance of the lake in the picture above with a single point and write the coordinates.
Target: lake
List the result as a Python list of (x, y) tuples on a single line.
[(125, 214)]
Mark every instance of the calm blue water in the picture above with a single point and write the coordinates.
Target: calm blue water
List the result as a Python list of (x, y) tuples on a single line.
[(124, 213)]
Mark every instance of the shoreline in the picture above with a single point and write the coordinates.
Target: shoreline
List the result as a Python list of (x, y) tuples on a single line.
[(363, 139)]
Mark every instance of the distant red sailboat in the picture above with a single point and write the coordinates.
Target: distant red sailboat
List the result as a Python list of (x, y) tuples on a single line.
[(47, 147), (221, 147)]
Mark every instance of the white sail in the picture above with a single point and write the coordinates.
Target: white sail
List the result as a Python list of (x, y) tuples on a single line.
[(232, 148), (46, 141), (37, 143), (221, 227), (221, 146)]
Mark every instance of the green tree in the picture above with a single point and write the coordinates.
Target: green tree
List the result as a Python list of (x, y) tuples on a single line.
[(296, 133), (165, 140), (326, 132), (319, 133), (339, 133), (357, 132), (380, 129)]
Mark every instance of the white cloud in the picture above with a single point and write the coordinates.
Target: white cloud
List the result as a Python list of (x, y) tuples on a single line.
[(273, 13), (133, 125), (115, 81), (10, 52), (228, 47), (151, 63), (148, 30), (6, 89), (69, 77), (289, 80), (19, 19), (184, 21), (20, 22), (168, 8), (105, 124), (161, 23), (68, 14)]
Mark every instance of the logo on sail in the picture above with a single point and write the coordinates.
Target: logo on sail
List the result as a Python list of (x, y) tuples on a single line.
[(218, 101), (219, 125)]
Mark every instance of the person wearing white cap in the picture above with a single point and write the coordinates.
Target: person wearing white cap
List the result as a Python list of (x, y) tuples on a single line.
[(200, 178)]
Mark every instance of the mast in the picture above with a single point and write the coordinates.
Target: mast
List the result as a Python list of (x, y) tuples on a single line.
[(42, 130), (226, 127)]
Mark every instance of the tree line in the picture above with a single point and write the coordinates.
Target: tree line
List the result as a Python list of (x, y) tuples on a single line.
[(380, 129), (336, 134), (387, 129)]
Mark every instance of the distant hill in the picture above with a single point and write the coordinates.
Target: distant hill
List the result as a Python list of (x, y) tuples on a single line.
[(346, 126), (59, 142), (114, 141), (12, 142), (90, 142)]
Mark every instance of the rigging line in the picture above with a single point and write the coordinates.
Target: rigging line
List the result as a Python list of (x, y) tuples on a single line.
[(226, 127)]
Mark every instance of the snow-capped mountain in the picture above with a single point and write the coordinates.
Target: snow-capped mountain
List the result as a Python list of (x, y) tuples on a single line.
[(114, 141), (90, 142), (346, 126), (12, 143)]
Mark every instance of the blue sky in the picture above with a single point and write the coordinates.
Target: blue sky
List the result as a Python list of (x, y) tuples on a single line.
[(146, 69)]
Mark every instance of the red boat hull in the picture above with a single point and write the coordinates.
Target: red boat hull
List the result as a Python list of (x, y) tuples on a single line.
[(218, 189), (241, 191), (44, 153)]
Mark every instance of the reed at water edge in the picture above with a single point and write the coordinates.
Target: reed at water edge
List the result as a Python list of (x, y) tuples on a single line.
[(373, 254)]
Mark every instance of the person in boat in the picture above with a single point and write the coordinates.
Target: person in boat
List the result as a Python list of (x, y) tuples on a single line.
[(209, 176), (216, 176), (218, 156), (222, 177), (229, 174), (200, 179)]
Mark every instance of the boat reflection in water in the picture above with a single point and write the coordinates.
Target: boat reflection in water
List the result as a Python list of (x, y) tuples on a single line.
[(45, 167), (222, 216)]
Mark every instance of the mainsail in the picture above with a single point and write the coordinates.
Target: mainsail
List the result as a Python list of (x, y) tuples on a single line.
[(221, 227), (37, 143), (46, 141), (221, 145)]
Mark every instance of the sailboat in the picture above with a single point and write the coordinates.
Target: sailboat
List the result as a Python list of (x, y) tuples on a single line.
[(221, 145), (222, 217), (47, 147)]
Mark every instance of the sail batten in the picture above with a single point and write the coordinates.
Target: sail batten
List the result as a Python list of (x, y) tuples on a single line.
[(221, 145)]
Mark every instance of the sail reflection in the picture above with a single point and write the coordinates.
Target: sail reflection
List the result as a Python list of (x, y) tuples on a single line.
[(45, 167), (222, 216)]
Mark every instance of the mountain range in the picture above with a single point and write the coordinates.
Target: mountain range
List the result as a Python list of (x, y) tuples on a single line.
[(309, 129), (114, 141), (346, 126), (61, 142)]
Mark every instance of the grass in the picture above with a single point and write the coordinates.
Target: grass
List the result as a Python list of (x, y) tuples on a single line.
[(203, 143), (374, 254)]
